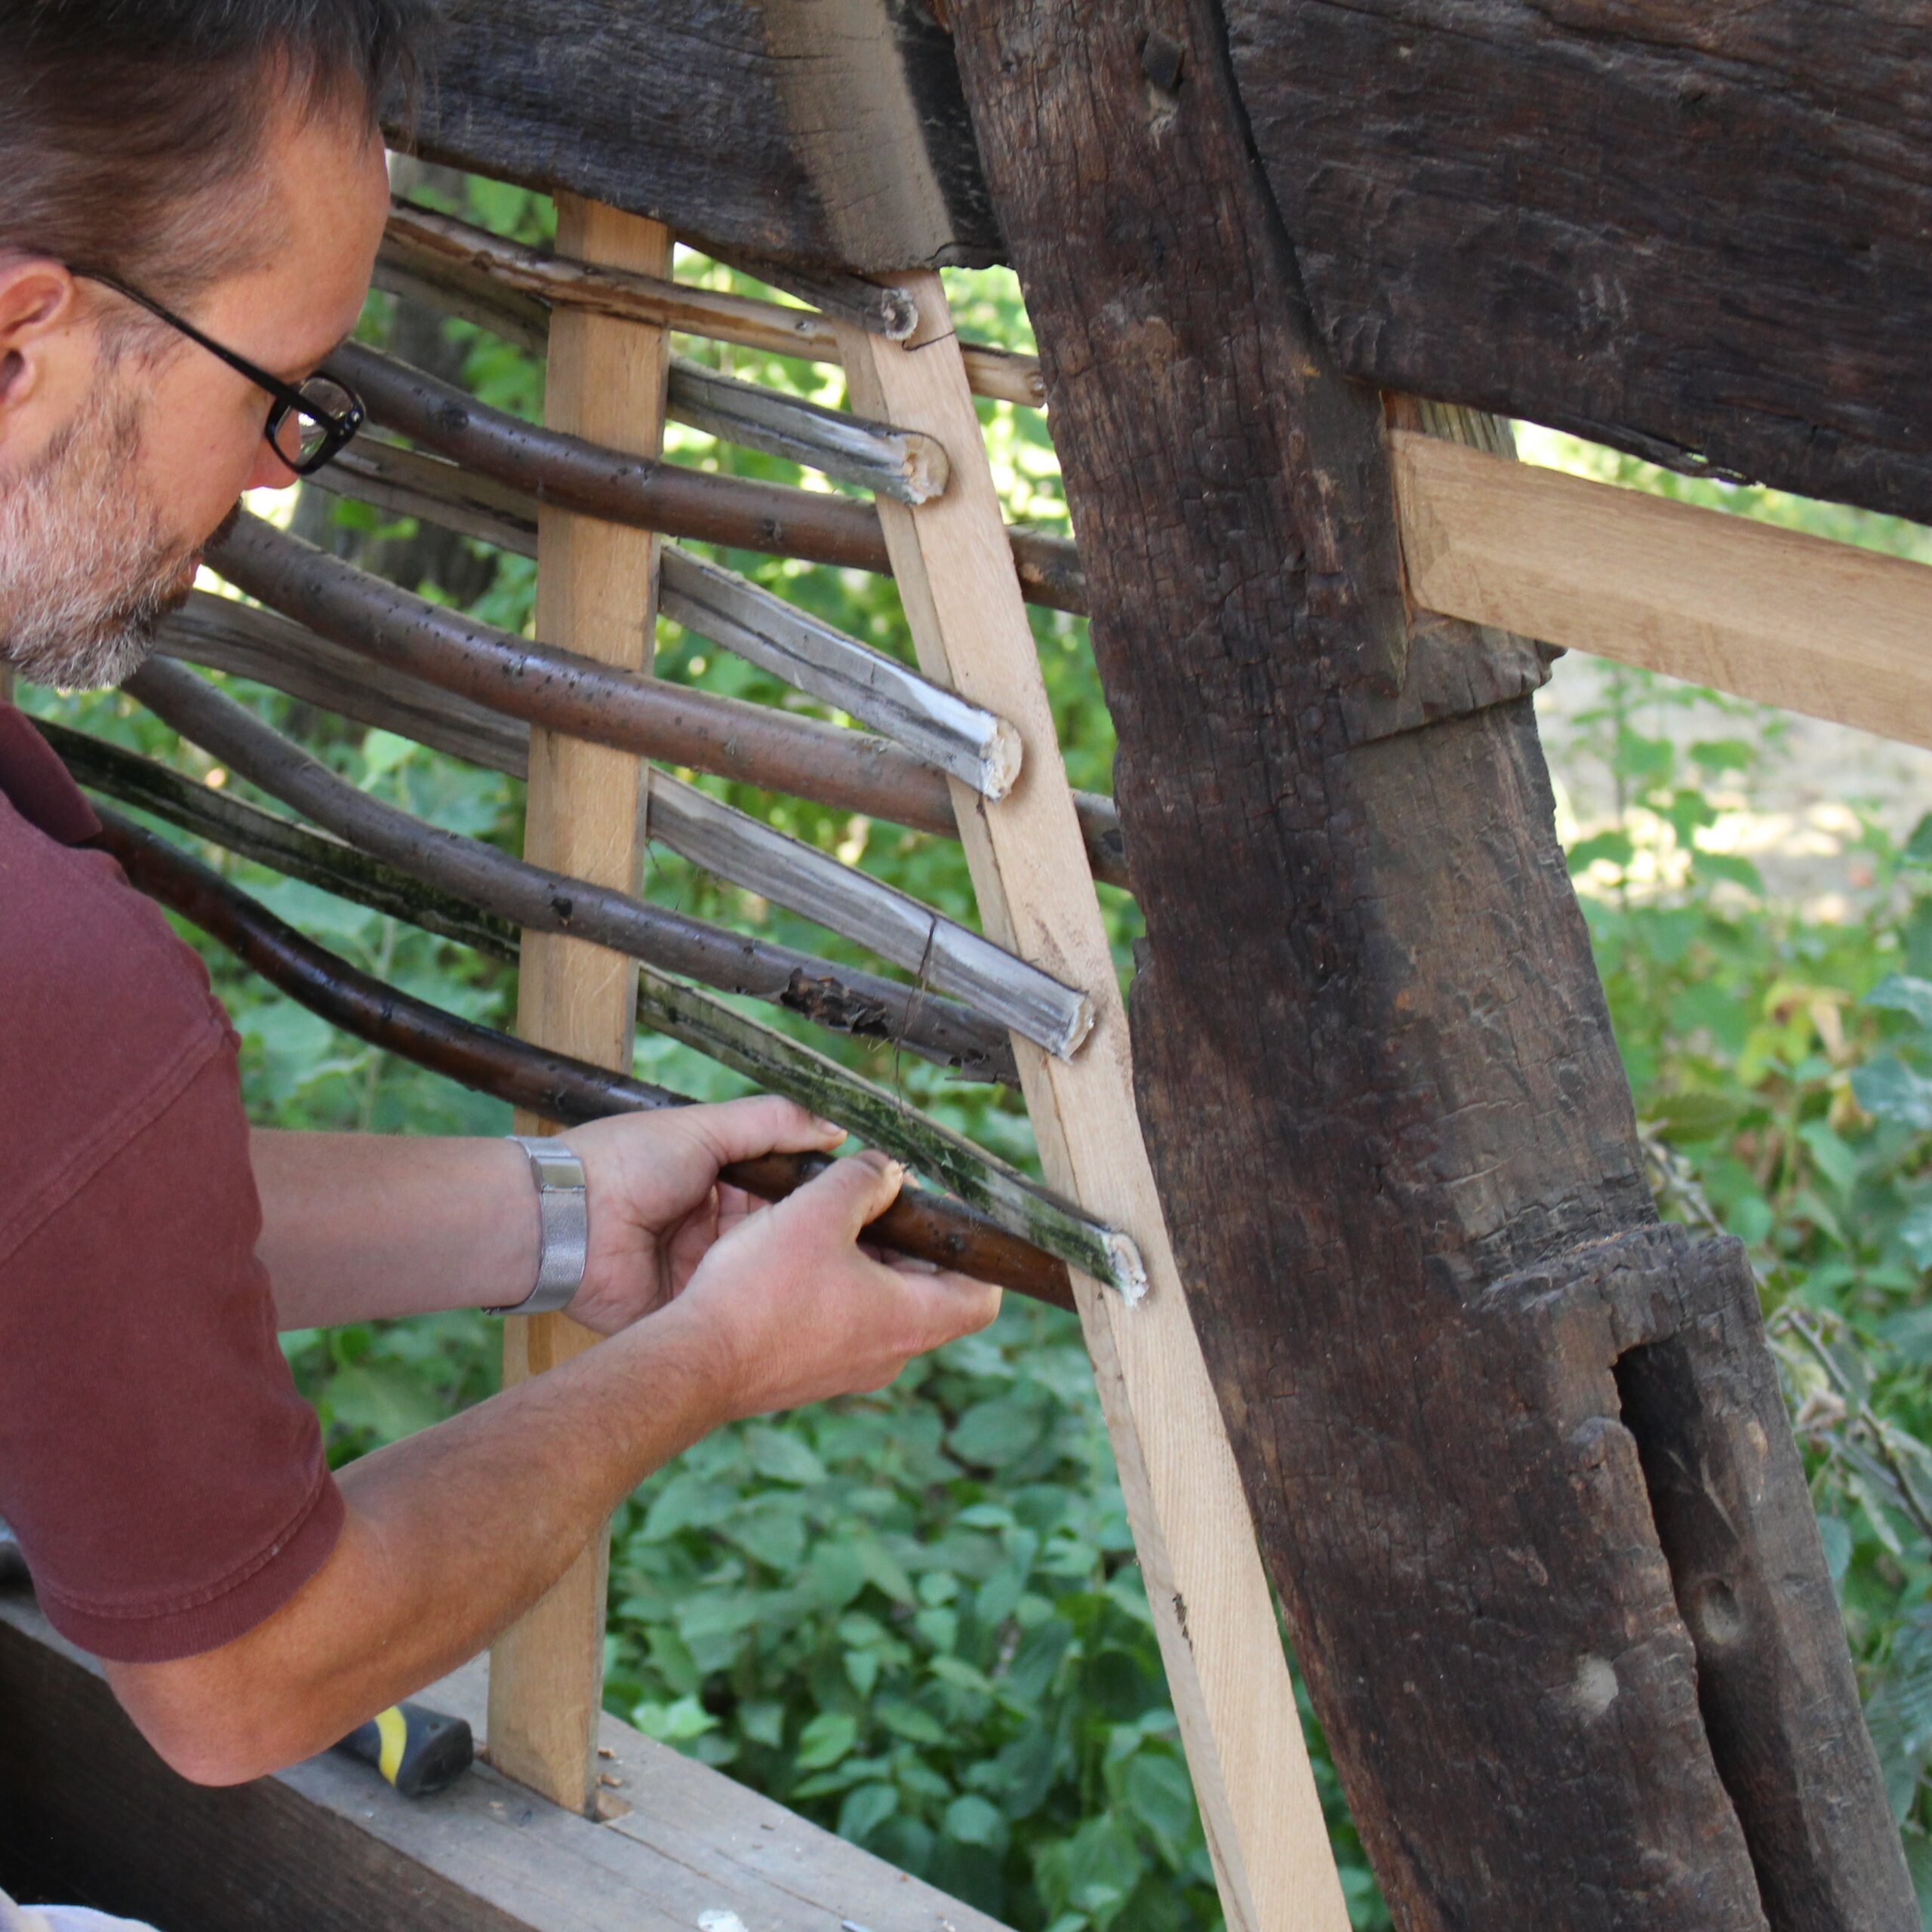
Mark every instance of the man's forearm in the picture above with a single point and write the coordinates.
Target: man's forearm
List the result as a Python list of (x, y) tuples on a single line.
[(358, 1227), (451, 1535)]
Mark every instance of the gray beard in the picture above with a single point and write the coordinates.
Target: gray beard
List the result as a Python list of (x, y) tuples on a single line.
[(87, 570)]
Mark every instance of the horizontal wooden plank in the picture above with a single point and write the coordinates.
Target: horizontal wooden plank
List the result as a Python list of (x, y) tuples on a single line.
[(826, 133), (1676, 228), (1764, 612), (327, 1846)]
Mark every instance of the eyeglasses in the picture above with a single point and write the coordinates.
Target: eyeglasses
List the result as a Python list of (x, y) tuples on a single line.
[(310, 422)]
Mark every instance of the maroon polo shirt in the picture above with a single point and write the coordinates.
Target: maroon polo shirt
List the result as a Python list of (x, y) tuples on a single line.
[(165, 1478)]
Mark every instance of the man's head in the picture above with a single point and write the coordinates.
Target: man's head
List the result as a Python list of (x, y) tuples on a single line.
[(221, 157)]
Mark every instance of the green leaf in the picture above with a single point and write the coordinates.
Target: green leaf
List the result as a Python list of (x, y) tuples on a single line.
[(827, 1738), (992, 1434), (971, 1820), (1889, 1090), (762, 1719), (1613, 848), (389, 1399), (1915, 1232), (783, 1456), (688, 1502), (864, 1809), (1734, 871), (907, 1721), (1903, 992), (1692, 1117), (772, 1530), (674, 1724), (1157, 1786)]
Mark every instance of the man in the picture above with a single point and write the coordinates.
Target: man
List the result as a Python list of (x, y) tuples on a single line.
[(217, 160)]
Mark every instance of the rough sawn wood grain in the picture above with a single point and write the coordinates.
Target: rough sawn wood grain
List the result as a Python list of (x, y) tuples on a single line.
[(826, 133), (1676, 228), (1374, 1065)]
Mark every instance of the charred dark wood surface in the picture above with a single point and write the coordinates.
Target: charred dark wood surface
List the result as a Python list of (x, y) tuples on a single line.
[(823, 133), (1378, 1080), (927, 1227), (1695, 233)]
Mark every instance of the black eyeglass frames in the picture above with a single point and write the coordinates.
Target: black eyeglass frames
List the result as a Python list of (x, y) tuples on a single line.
[(310, 422)]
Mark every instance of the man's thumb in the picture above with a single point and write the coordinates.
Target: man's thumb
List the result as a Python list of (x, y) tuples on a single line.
[(856, 1192)]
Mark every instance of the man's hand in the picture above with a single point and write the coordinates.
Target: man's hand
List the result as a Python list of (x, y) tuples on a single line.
[(656, 1209), (453, 1532), (798, 1312)]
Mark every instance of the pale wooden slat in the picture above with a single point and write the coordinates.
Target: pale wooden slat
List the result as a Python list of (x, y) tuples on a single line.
[(596, 594), (1211, 1604), (1774, 615)]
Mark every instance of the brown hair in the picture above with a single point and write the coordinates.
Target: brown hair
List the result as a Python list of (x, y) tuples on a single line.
[(120, 119)]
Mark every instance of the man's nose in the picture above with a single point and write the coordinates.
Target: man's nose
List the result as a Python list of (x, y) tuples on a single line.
[(270, 472)]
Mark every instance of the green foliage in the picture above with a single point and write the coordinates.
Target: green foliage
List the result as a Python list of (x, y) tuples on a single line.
[(1781, 1060), (917, 1617)]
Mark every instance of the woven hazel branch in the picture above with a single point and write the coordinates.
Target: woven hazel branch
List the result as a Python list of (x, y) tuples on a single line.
[(733, 845), (562, 692), (927, 1227), (442, 256), (648, 493), (406, 484), (771, 1059), (842, 999)]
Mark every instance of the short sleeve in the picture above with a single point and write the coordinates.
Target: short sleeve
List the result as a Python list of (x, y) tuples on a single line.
[(165, 1478)]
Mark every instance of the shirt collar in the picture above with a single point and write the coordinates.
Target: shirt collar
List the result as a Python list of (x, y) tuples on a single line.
[(36, 784)]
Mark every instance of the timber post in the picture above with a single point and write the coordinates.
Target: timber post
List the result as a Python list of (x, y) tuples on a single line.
[(1394, 1142), (597, 591)]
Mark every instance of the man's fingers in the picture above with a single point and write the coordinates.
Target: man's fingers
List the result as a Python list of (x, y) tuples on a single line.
[(743, 1130), (851, 1193)]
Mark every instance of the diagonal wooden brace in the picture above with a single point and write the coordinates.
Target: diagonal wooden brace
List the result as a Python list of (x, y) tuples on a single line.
[(1211, 1603)]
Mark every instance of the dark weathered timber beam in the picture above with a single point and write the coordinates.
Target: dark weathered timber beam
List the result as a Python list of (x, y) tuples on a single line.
[(824, 134), (1395, 1147), (1694, 232)]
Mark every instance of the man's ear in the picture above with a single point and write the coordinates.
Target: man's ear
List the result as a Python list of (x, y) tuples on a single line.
[(38, 306)]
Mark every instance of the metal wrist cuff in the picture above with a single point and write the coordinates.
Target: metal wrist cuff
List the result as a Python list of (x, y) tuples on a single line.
[(564, 1205)]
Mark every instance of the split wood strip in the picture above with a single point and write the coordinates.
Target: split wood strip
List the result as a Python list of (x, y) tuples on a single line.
[(897, 927), (911, 469), (772, 1059), (966, 741), (439, 249), (890, 463), (579, 473), (1210, 1601), (733, 845), (596, 593), (568, 905), (1773, 615)]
